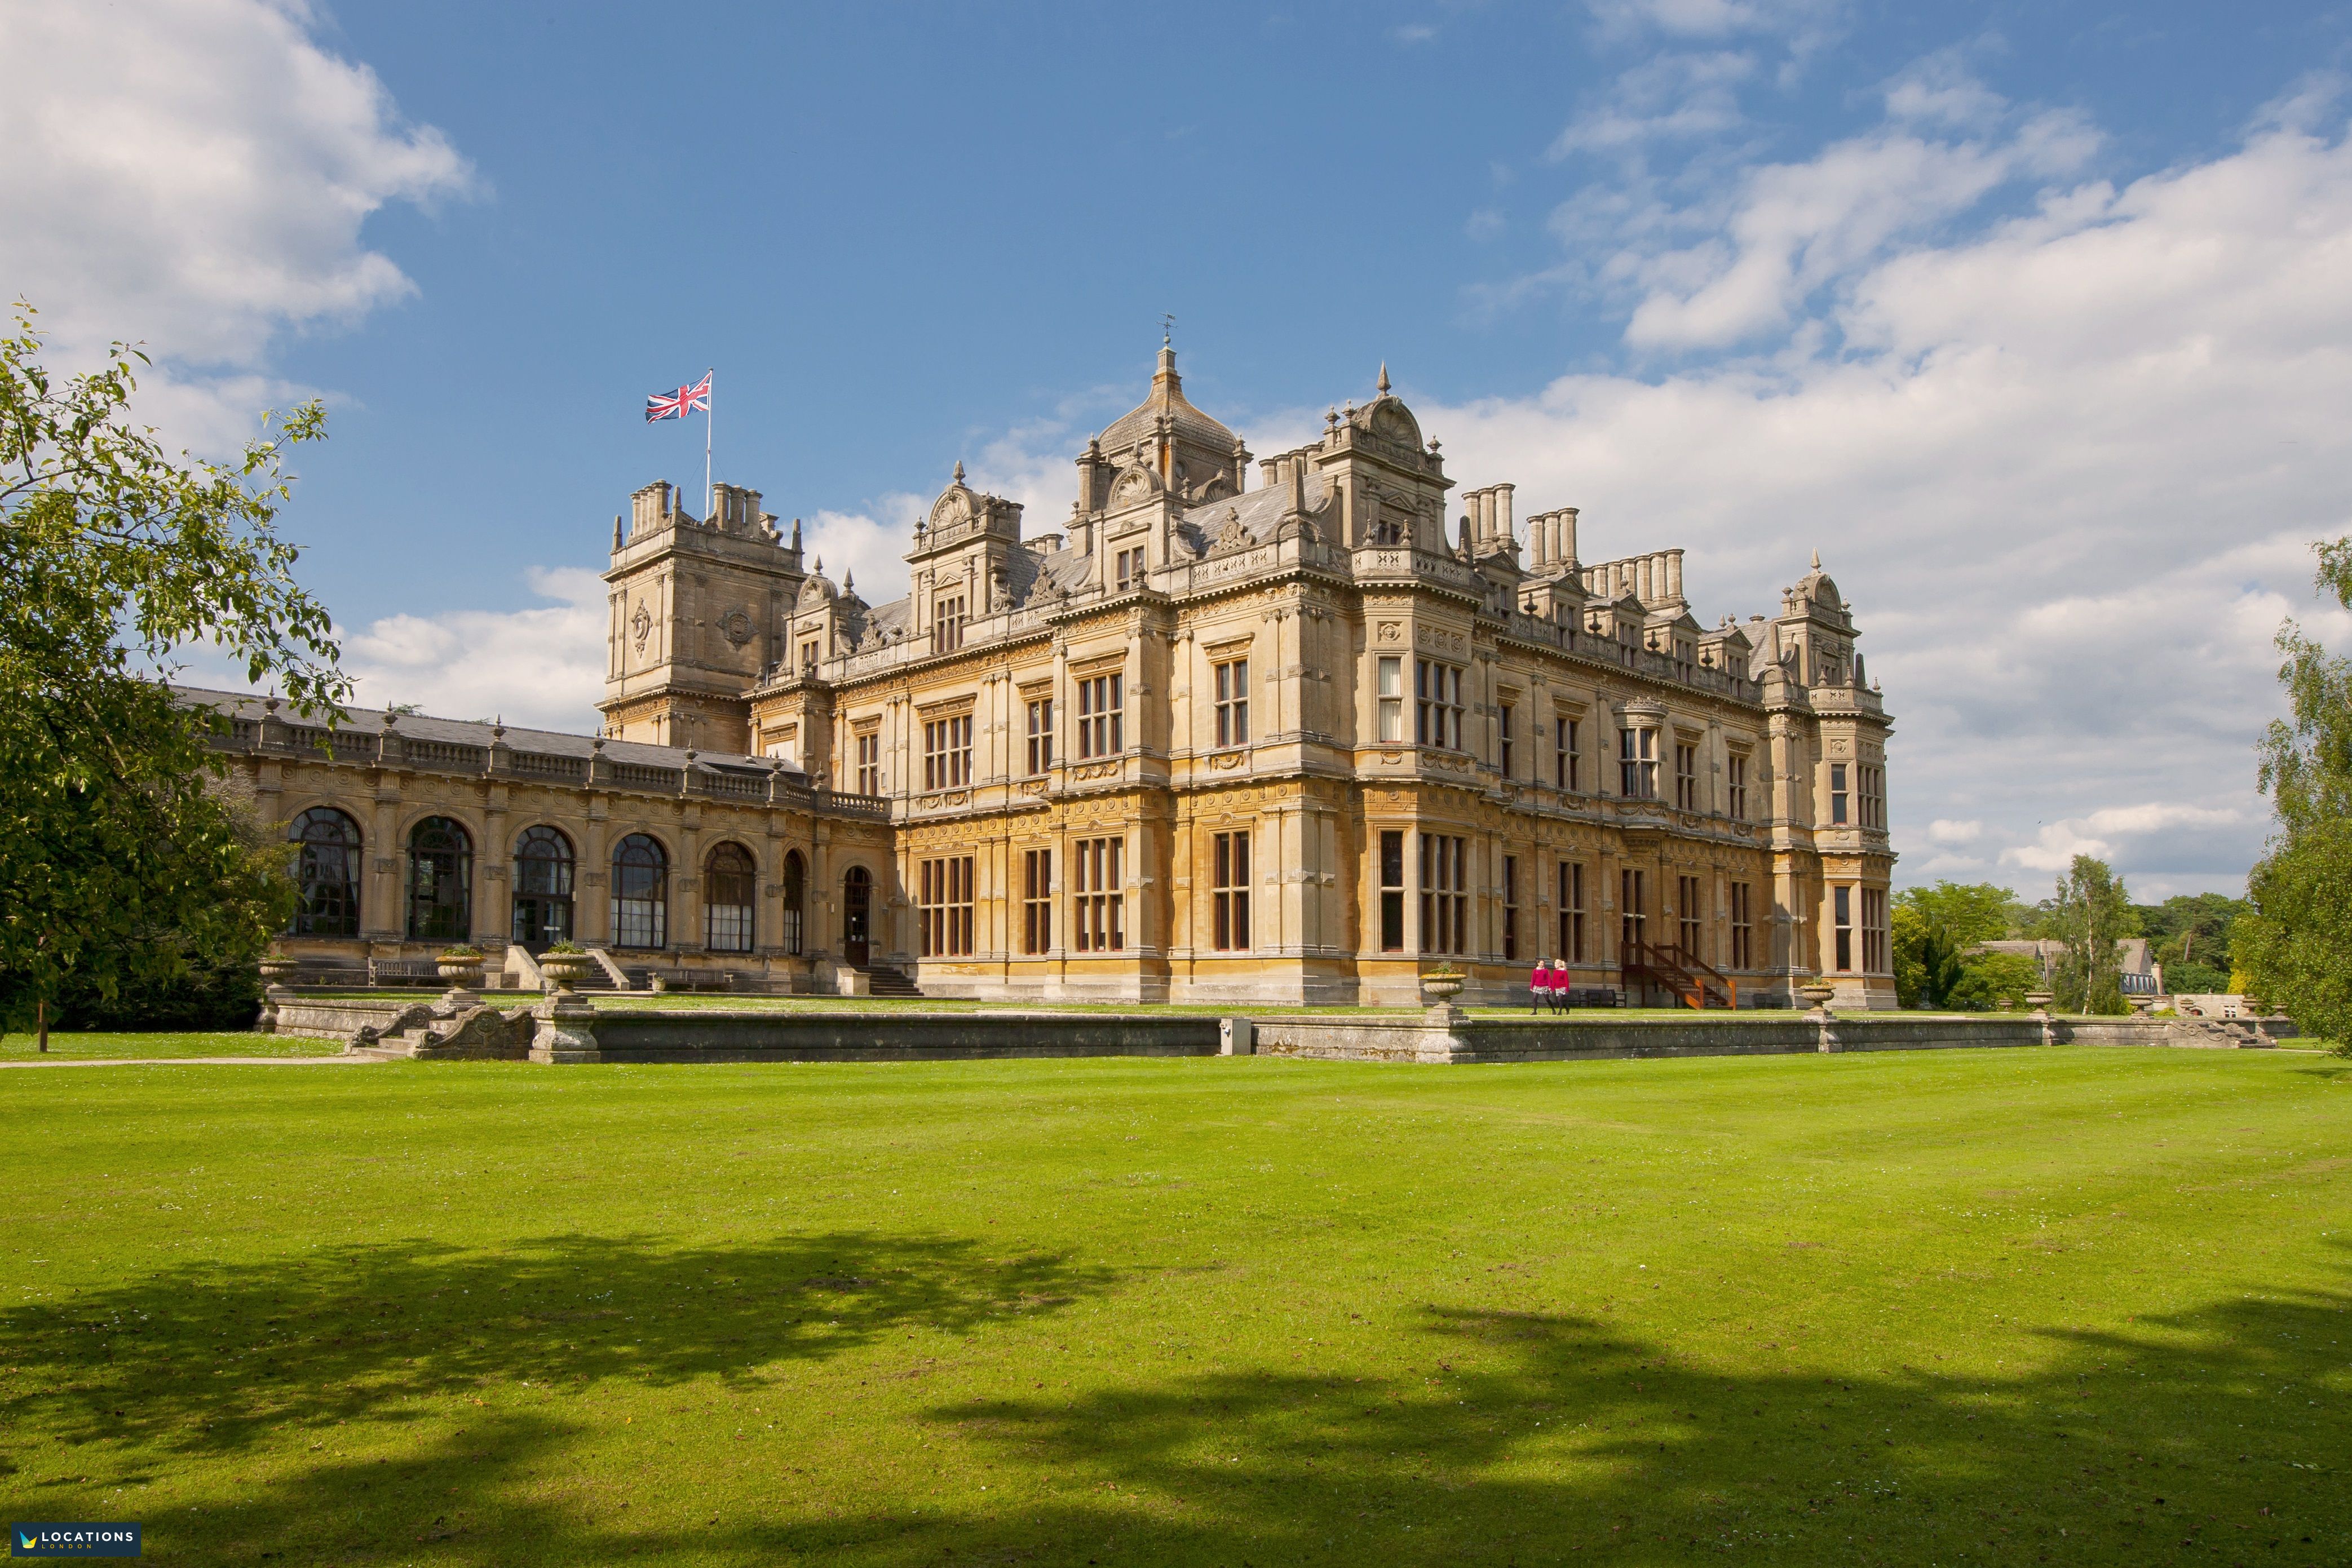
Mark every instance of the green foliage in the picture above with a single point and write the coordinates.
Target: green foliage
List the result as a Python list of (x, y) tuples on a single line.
[(1966, 913), (2090, 914), (123, 872), (1933, 927), (1995, 981), (2295, 948), (2191, 929), (2198, 979)]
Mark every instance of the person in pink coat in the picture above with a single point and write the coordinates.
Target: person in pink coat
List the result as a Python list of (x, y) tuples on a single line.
[(1539, 985)]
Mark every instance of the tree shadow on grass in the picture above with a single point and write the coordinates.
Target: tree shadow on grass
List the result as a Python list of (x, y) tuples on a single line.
[(2211, 1436), (218, 1362), (1528, 1438)]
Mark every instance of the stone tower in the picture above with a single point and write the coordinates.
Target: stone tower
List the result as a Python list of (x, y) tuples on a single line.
[(698, 612)]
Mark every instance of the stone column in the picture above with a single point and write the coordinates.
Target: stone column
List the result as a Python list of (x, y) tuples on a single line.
[(385, 907)]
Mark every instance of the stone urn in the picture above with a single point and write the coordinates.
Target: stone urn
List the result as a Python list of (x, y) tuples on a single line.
[(2039, 1002), (1441, 988), (2256, 1007), (461, 972), (565, 970), (1816, 997), (277, 969)]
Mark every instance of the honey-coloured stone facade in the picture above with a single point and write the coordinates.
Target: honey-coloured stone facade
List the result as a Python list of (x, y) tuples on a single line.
[(1222, 736), (1294, 742)]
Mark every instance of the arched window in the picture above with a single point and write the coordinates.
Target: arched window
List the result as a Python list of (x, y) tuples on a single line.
[(729, 883), (327, 871), (542, 888), (640, 894), (440, 882), (795, 896)]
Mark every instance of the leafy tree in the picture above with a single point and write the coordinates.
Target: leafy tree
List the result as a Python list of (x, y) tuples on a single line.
[(2295, 946), (120, 861), (1995, 980), (2090, 914), (1933, 927), (2190, 936)]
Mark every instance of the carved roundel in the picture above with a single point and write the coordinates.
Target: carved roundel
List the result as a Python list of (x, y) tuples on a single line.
[(737, 627), (1134, 485), (952, 508), (1395, 425), (641, 623)]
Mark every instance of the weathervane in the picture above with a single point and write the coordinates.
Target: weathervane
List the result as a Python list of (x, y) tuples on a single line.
[(1167, 330)]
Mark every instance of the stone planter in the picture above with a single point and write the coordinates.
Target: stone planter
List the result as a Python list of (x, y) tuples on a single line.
[(464, 974), (2039, 1001), (276, 970), (1441, 989), (565, 970), (1817, 997)]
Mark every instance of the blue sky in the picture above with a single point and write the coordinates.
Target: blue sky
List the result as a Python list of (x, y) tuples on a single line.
[(2028, 317)]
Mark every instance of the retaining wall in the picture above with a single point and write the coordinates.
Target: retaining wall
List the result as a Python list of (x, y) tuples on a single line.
[(706, 1035), (605, 1033), (1433, 1037)]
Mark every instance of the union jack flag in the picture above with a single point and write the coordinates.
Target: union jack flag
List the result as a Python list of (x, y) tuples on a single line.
[(678, 405)]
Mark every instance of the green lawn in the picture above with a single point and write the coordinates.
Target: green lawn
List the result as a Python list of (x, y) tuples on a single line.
[(2074, 1306), (160, 1046)]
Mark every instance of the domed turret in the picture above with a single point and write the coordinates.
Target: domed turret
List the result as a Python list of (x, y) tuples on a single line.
[(1193, 455)]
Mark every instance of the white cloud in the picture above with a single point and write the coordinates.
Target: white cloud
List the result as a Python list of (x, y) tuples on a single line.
[(2068, 464), (1666, 97), (1717, 18), (1945, 830), (195, 173), (2055, 846), (1793, 228), (541, 666)]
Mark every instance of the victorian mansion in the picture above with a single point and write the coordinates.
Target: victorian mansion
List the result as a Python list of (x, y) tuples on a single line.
[(1257, 730)]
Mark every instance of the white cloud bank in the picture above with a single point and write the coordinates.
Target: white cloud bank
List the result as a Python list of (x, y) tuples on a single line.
[(195, 173), (2069, 462)]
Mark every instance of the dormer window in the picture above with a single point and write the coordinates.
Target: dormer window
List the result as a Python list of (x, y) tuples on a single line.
[(947, 623), (1130, 568), (809, 655)]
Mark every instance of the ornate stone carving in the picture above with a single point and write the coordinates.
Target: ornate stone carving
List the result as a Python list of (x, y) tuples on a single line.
[(642, 624), (737, 628)]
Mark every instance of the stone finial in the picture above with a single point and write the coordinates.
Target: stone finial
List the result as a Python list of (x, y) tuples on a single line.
[(1384, 378), (617, 530), (959, 471), (1817, 560), (818, 566), (269, 703), (796, 533), (391, 717), (849, 580)]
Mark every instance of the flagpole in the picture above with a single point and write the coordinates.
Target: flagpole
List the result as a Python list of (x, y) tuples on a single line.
[(708, 409)]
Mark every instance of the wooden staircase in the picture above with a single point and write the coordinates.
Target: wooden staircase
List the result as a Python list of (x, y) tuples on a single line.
[(1686, 977)]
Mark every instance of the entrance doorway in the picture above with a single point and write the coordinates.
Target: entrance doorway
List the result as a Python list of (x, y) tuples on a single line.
[(856, 916)]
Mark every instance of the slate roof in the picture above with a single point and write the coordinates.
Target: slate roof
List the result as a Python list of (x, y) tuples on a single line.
[(470, 732)]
